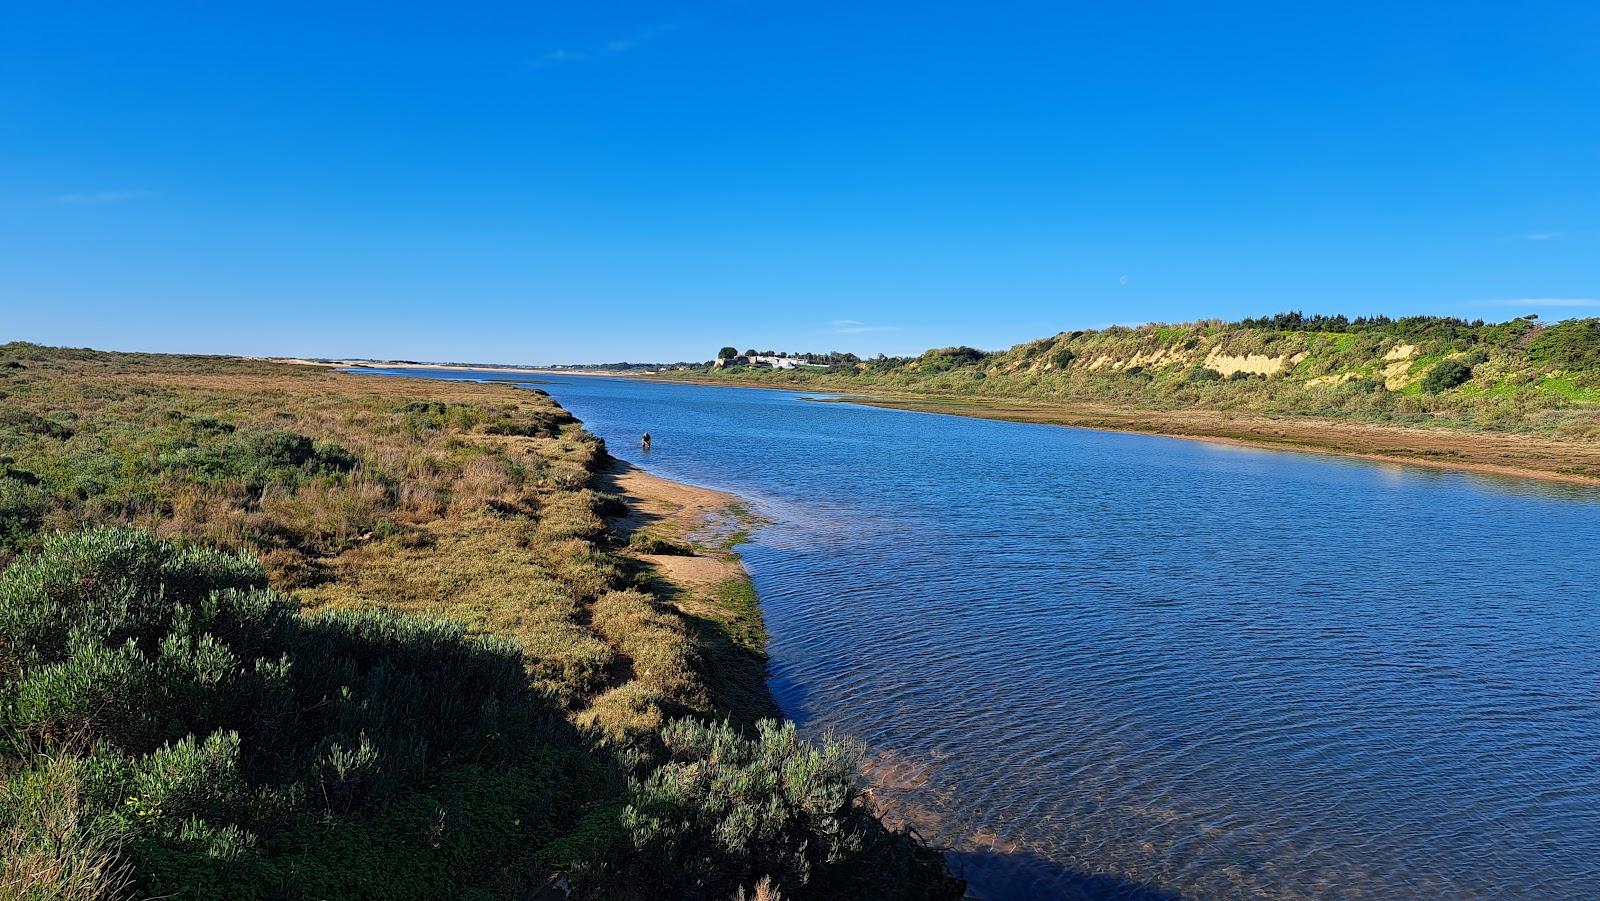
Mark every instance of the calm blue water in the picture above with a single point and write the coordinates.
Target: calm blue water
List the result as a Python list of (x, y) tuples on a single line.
[(1148, 667)]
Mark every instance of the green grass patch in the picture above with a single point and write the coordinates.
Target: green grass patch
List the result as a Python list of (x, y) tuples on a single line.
[(1569, 389)]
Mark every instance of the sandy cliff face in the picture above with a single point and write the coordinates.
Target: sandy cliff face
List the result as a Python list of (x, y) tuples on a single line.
[(1314, 359), (1253, 364)]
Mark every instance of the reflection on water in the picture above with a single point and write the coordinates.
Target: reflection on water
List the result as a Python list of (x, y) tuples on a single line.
[(1127, 666)]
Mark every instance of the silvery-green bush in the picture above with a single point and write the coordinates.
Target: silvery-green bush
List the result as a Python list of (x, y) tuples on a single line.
[(727, 810), (229, 746)]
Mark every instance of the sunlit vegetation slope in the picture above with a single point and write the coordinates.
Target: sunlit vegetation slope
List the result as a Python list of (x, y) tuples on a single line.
[(275, 632), (1513, 376)]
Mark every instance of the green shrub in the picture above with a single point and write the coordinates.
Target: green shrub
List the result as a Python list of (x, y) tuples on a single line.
[(209, 425), (1572, 346), (105, 587), (944, 359), (23, 423), (23, 504), (421, 406), (258, 461), (1446, 375), (221, 724), (726, 810), (706, 828)]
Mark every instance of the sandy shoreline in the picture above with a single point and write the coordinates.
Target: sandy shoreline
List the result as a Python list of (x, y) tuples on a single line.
[(704, 517), (710, 588)]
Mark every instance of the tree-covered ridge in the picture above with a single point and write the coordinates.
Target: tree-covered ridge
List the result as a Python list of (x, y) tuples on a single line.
[(275, 632), (1518, 375)]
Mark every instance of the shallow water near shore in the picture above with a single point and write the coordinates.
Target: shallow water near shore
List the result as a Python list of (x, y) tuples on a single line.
[(1111, 665)]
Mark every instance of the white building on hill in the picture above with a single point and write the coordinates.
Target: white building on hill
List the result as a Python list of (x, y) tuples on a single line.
[(774, 362)]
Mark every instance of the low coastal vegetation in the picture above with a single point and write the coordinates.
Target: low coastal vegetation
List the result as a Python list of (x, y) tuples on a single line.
[(270, 631), (1515, 376)]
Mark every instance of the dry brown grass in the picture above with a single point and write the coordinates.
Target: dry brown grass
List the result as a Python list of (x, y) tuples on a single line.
[(481, 571), (478, 509), (128, 411), (48, 849), (658, 672)]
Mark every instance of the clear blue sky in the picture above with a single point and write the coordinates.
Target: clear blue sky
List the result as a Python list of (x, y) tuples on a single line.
[(556, 182)]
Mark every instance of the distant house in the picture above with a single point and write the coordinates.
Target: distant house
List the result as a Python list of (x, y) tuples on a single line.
[(774, 362)]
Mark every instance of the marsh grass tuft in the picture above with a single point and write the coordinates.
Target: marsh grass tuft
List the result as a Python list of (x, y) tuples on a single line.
[(646, 542)]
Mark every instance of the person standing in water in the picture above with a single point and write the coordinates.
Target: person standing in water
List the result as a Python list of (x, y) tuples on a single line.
[(645, 441)]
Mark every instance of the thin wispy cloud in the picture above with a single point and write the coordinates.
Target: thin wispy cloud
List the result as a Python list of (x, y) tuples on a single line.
[(101, 198), (1544, 302), (557, 57), (854, 327), (563, 55), (1541, 236), (649, 34)]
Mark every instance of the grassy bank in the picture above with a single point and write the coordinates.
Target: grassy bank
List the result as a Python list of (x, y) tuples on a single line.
[(1516, 397), (1517, 376), (269, 631)]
